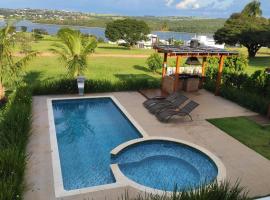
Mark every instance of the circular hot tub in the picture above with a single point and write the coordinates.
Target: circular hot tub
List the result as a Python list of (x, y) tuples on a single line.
[(166, 165)]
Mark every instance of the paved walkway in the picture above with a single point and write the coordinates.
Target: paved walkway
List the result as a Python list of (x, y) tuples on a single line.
[(241, 162)]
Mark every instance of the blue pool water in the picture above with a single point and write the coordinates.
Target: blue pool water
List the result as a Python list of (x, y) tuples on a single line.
[(166, 165), (87, 130)]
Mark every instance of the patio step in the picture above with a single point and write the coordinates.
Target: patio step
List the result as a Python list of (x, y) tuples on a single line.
[(151, 93)]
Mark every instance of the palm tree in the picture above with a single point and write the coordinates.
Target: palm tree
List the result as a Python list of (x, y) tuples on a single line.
[(73, 50), (253, 9), (10, 70)]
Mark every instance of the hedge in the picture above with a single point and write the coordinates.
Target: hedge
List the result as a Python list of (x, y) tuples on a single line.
[(15, 126), (69, 86), (252, 92)]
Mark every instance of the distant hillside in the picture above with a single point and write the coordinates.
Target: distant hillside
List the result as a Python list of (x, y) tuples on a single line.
[(172, 23)]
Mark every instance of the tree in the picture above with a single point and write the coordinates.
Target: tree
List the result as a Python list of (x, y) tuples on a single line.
[(164, 26), (253, 9), (24, 29), (73, 50), (247, 28), (38, 33), (129, 30), (154, 62), (25, 42), (10, 70)]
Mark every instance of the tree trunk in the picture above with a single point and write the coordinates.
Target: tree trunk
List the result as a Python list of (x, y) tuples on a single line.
[(2, 92), (252, 50)]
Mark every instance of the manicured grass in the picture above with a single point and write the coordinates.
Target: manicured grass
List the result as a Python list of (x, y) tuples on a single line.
[(260, 62), (105, 48), (109, 68), (246, 131)]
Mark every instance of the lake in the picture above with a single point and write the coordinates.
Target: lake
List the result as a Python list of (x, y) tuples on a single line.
[(98, 32)]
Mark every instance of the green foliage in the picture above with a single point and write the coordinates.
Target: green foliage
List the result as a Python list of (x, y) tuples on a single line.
[(214, 191), (236, 63), (231, 64), (25, 42), (154, 62), (253, 9), (10, 68), (179, 24), (252, 92), (247, 28), (101, 40), (24, 29), (38, 33), (196, 25), (178, 42), (73, 50), (129, 30), (15, 126), (69, 86)]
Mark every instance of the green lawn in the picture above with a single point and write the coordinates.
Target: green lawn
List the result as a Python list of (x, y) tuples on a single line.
[(112, 68), (46, 68), (248, 132), (260, 62), (105, 48)]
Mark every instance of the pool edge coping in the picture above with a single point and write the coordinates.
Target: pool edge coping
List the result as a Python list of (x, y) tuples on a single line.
[(122, 178), (59, 190)]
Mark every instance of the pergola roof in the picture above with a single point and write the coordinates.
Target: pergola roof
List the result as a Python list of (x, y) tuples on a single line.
[(193, 51)]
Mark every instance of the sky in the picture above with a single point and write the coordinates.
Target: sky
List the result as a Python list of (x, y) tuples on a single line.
[(200, 8)]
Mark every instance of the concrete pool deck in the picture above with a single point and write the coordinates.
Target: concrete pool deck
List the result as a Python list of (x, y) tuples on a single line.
[(241, 163)]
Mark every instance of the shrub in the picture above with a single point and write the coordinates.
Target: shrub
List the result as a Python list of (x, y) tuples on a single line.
[(69, 86), (101, 40), (154, 62), (231, 64), (213, 191), (252, 92), (14, 133)]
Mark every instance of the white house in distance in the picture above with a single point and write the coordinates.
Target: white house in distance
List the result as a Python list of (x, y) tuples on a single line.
[(152, 39), (145, 44), (206, 41)]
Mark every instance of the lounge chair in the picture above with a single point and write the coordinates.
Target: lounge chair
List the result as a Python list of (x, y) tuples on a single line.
[(159, 107), (150, 102), (167, 114)]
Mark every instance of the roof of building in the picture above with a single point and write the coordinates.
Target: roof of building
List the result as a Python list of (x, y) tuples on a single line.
[(193, 51)]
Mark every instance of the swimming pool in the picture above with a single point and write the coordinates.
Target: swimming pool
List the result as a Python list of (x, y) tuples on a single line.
[(87, 130), (98, 146), (166, 165)]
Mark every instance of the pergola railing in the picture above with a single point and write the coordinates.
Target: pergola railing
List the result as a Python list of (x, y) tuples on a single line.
[(200, 52)]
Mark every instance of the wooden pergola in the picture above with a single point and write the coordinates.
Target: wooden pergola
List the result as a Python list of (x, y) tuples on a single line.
[(181, 52)]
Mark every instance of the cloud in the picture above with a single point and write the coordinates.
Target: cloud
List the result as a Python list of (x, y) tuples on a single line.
[(169, 2), (196, 4), (187, 4)]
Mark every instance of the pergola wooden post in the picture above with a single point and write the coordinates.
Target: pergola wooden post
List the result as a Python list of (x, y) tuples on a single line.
[(204, 63), (219, 76), (177, 71), (164, 68)]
